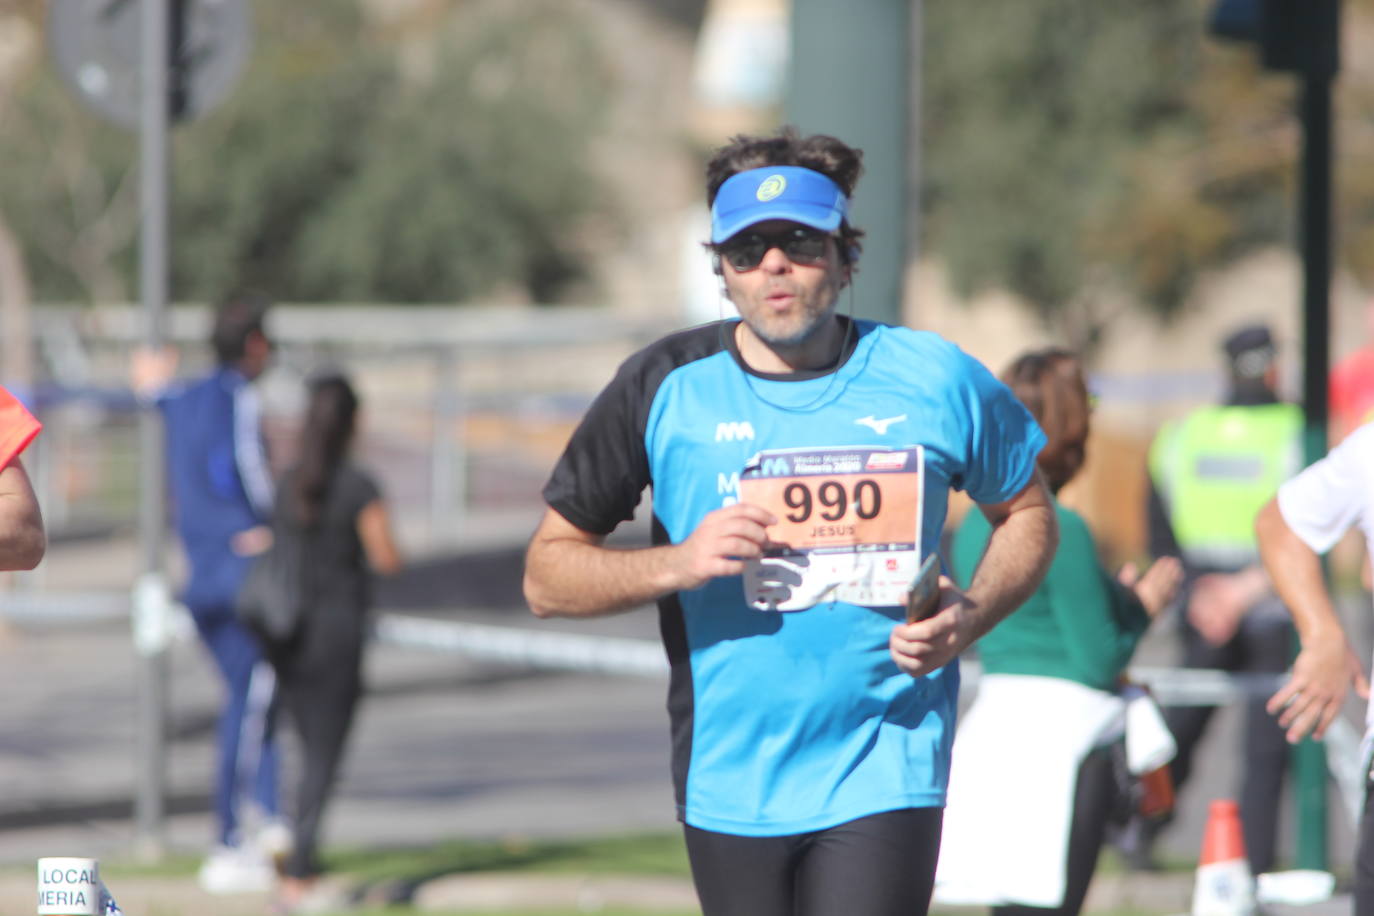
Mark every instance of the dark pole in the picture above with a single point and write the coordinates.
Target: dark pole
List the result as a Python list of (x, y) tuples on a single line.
[(1315, 208), (150, 598), (850, 75), (1302, 37)]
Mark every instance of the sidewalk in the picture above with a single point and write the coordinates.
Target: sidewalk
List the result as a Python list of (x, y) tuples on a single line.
[(1154, 894), (145, 896)]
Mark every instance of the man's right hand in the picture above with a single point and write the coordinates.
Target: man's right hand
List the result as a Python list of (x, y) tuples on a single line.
[(721, 544), (569, 572)]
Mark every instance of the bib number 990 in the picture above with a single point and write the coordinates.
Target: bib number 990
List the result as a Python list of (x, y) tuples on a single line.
[(833, 499)]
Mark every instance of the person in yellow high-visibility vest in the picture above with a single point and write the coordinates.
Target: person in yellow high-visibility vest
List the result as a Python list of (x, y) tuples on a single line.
[(1210, 473)]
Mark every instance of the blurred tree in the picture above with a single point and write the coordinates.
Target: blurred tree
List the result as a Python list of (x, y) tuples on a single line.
[(250, 176), (68, 191), (361, 163), (359, 159), (486, 178), (1089, 155)]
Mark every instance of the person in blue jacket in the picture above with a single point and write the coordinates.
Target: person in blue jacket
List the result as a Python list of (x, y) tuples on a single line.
[(222, 496)]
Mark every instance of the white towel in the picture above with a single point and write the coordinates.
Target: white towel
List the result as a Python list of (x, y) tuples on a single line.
[(1016, 759), (1149, 743)]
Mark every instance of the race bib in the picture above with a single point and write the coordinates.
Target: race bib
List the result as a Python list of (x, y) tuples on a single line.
[(849, 525)]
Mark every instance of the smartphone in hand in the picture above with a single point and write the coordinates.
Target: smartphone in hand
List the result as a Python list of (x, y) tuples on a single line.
[(924, 596)]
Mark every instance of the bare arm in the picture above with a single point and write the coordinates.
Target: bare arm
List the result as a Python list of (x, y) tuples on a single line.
[(374, 530), (570, 573), (151, 371), (22, 539), (1025, 534), (1326, 666)]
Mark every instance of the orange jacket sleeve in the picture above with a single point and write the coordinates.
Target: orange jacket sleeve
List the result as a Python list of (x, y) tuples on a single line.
[(17, 427)]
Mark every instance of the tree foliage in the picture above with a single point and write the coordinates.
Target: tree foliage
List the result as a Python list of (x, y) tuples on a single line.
[(356, 160), (68, 192), (1081, 154), (488, 185)]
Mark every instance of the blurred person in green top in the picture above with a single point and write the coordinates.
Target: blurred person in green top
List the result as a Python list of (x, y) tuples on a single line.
[(1081, 624), (1030, 801)]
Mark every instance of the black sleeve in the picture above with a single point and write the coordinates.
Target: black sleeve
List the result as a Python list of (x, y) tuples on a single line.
[(598, 481), (359, 490), (1162, 542)]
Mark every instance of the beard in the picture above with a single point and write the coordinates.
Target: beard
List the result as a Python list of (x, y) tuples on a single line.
[(790, 333)]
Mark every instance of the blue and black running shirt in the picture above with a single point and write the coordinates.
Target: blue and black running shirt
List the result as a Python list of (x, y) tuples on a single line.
[(784, 723)]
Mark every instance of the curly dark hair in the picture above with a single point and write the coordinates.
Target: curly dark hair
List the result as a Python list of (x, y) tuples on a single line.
[(833, 158)]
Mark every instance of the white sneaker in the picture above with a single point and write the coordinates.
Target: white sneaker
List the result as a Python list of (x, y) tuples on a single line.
[(274, 841), (320, 896), (236, 870)]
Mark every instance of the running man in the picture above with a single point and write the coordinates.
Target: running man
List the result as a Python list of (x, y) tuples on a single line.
[(800, 463)]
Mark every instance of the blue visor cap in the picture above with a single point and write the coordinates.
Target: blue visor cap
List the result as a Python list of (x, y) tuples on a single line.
[(777, 192)]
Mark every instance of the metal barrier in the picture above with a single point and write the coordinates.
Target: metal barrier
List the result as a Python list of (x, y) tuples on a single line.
[(644, 658), (464, 404), (559, 651), (35, 608)]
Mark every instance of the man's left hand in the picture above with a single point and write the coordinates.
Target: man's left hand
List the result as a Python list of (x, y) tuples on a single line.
[(927, 645)]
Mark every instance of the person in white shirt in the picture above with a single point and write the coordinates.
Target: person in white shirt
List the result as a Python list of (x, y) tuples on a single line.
[(1310, 513)]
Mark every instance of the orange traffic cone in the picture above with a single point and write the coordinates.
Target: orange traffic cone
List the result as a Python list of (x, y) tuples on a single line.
[(1224, 885)]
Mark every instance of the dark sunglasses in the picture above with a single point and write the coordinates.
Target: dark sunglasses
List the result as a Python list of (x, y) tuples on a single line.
[(800, 244)]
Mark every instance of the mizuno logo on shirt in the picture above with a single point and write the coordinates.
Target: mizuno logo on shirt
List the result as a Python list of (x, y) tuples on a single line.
[(878, 426), (734, 431)]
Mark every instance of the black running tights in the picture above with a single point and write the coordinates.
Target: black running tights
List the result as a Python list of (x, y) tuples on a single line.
[(880, 865)]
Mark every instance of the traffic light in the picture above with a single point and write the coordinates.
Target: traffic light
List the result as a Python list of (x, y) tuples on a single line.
[(1299, 36)]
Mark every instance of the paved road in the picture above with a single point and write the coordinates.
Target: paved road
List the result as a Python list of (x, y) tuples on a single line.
[(445, 746)]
